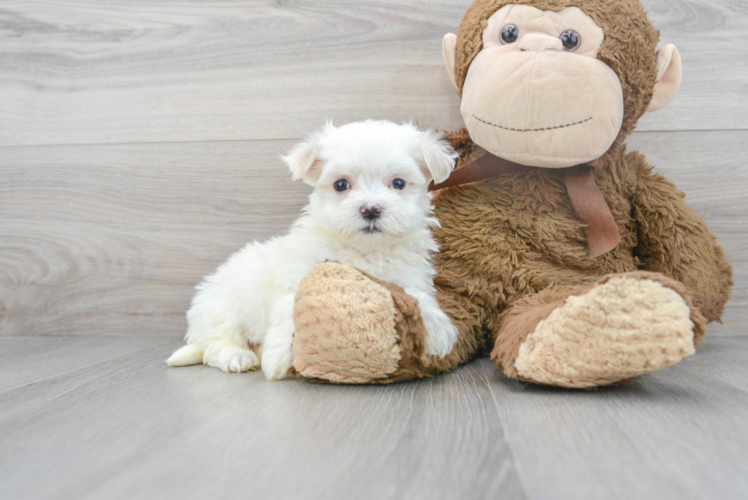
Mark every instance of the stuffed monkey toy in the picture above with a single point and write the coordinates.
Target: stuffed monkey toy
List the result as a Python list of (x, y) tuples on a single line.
[(563, 255)]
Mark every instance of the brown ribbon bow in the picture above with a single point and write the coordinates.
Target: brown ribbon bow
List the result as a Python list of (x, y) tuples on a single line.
[(586, 198)]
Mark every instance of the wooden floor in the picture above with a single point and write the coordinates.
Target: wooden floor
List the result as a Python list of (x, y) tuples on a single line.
[(139, 145), (105, 418)]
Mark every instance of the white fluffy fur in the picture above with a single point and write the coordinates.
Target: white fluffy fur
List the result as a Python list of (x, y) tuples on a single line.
[(248, 302)]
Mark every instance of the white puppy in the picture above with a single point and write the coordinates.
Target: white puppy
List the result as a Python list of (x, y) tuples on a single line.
[(370, 209)]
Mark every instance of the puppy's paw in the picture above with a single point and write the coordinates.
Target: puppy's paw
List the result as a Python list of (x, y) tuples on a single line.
[(276, 363), (442, 334), (237, 360), (439, 344)]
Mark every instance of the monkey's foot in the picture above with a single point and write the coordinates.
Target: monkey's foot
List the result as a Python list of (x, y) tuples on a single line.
[(625, 326), (354, 329)]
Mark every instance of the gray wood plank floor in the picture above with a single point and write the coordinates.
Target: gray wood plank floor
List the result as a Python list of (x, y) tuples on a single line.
[(139, 145), (105, 418)]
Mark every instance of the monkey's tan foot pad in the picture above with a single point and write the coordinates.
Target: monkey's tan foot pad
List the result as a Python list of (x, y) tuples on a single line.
[(622, 328), (354, 329)]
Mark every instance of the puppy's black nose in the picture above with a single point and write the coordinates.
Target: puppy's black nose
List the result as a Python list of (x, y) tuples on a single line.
[(371, 212)]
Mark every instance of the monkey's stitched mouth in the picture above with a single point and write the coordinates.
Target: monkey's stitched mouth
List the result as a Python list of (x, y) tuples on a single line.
[(532, 129)]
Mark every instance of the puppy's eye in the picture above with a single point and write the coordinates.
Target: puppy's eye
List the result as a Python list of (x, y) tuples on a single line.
[(570, 40), (509, 33), (341, 185), (398, 184)]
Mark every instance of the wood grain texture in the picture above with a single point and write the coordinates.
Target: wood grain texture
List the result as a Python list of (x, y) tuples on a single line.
[(111, 239), (86, 71), (25, 361), (678, 433), (129, 427)]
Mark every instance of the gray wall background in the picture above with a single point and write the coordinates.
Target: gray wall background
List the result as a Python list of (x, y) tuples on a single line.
[(139, 139)]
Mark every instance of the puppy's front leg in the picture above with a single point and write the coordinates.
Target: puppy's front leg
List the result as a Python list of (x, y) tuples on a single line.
[(442, 334), (277, 348)]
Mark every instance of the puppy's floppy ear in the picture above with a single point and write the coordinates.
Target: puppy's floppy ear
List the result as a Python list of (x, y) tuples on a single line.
[(438, 156), (303, 160)]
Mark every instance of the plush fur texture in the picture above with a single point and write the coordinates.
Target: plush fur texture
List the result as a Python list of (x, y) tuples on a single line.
[(513, 271), (520, 241), (628, 48), (350, 346), (531, 101), (378, 219), (513, 251), (377, 336), (594, 335)]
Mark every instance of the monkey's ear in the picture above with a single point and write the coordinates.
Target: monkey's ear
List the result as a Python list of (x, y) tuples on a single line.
[(669, 73), (448, 52), (303, 160), (438, 157)]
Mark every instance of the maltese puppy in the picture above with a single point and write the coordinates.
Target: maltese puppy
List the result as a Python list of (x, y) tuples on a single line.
[(370, 209)]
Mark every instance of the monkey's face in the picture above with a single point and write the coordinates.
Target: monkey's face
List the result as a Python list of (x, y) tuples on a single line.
[(536, 93)]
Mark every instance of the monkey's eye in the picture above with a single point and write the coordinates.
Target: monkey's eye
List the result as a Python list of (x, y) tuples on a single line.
[(341, 185), (398, 184), (509, 33), (570, 40)]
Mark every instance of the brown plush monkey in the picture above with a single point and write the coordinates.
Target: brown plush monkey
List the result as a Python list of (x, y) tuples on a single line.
[(547, 84)]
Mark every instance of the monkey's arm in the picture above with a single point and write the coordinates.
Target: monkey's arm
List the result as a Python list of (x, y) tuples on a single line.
[(673, 240)]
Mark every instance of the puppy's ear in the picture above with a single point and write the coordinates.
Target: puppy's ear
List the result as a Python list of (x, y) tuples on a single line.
[(438, 156), (303, 160)]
